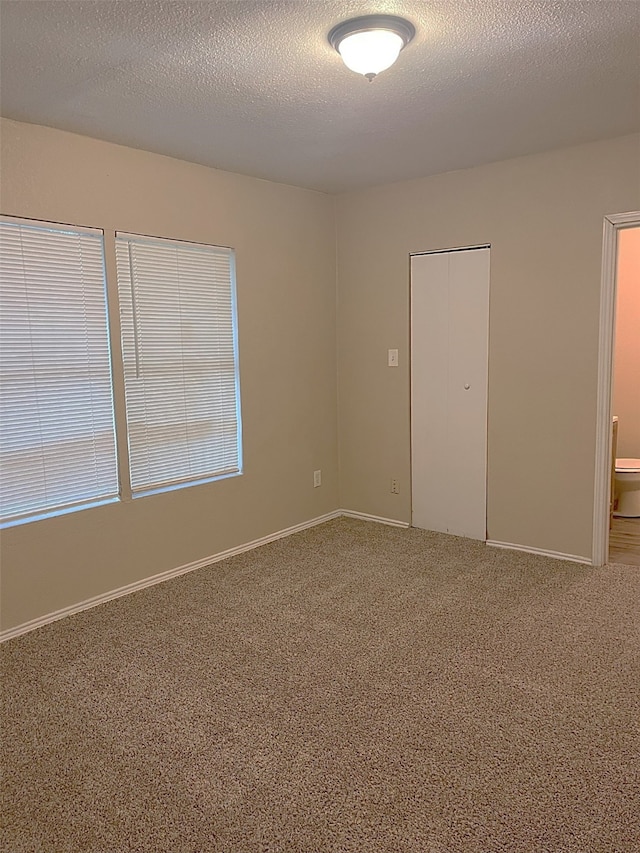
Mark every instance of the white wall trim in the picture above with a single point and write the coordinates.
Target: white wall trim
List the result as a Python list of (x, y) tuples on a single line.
[(606, 337), (26, 627), (363, 516), (556, 555), (10, 633)]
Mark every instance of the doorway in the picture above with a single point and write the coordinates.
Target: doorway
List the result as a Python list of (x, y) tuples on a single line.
[(624, 533), (606, 527), (449, 369)]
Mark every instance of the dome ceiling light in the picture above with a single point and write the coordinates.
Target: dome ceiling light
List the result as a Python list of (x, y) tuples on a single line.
[(372, 43)]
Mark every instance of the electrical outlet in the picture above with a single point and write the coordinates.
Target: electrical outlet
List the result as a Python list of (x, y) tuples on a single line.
[(317, 479), (392, 358), (395, 486)]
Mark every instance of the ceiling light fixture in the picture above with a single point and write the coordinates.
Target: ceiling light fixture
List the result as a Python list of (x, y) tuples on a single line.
[(372, 43)]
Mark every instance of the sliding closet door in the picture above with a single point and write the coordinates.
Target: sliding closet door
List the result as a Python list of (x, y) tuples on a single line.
[(449, 357)]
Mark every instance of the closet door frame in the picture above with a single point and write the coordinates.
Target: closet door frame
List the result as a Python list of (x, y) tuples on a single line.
[(446, 251)]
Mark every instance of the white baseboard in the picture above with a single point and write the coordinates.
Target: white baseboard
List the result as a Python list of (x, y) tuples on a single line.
[(557, 555), (10, 633), (363, 516)]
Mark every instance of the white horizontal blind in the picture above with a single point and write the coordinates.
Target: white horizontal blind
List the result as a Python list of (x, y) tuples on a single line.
[(57, 439), (177, 306)]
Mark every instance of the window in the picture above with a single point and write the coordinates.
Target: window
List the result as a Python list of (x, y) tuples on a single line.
[(57, 437), (180, 360), (179, 342)]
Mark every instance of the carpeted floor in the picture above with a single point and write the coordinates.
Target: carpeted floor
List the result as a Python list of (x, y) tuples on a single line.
[(354, 687)]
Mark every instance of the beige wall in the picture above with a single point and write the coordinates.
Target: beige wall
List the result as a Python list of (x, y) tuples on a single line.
[(285, 251), (543, 216), (626, 375)]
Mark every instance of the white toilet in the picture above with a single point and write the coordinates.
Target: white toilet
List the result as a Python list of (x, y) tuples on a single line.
[(627, 488)]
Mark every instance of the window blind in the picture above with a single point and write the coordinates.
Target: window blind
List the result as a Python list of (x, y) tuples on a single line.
[(57, 438), (178, 319)]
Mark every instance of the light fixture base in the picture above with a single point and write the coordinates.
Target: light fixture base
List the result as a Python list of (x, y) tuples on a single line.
[(363, 24)]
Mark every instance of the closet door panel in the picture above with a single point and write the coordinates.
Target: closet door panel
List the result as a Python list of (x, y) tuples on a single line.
[(430, 500), (467, 392)]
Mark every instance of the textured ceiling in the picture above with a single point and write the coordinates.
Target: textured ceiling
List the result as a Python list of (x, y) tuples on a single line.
[(254, 87)]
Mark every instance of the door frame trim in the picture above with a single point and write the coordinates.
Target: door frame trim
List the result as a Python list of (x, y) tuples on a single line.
[(447, 251), (613, 224)]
